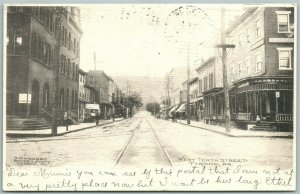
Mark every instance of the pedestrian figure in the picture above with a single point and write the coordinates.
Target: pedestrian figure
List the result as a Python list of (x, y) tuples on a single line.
[(97, 118), (257, 119)]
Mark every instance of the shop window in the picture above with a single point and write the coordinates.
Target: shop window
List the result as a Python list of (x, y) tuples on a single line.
[(241, 103), (285, 102), (283, 21), (284, 57)]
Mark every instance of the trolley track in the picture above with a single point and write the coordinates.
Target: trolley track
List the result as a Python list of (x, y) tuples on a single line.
[(143, 145)]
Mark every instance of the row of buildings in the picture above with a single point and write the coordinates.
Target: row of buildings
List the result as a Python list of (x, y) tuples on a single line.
[(97, 90), (260, 75), (40, 38)]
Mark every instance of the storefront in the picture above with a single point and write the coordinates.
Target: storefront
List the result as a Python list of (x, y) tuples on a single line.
[(267, 100), (213, 106)]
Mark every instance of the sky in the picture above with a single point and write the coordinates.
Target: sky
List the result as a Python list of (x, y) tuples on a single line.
[(149, 39)]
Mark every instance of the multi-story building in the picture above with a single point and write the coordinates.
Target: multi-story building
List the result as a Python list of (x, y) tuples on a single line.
[(86, 97), (101, 81), (211, 95), (32, 44), (261, 66)]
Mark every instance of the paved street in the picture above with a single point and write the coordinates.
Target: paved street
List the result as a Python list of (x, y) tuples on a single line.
[(144, 140)]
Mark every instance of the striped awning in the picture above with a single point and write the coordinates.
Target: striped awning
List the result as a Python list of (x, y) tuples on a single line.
[(182, 108), (173, 110)]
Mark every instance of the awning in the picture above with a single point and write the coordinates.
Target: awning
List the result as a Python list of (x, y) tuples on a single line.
[(182, 108), (173, 110)]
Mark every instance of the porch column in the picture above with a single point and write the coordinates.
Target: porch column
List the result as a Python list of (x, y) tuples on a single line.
[(247, 102), (276, 100), (260, 108)]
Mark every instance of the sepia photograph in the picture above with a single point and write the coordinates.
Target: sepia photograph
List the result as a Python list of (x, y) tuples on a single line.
[(149, 97)]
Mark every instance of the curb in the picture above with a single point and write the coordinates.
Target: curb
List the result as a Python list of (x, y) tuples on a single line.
[(231, 135), (59, 134)]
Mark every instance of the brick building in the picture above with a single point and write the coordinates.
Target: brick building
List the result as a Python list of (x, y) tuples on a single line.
[(260, 68), (31, 42)]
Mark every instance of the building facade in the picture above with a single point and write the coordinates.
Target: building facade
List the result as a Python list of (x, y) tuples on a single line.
[(260, 68), (31, 52), (211, 94), (101, 81)]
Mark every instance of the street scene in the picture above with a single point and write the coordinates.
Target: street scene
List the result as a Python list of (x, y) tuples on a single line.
[(203, 94), (149, 141)]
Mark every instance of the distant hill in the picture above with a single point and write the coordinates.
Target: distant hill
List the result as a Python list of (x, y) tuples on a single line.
[(150, 88)]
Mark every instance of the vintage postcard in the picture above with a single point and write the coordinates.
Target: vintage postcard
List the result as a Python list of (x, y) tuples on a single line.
[(149, 97)]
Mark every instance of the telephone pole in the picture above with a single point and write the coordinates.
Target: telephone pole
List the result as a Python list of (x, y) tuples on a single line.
[(224, 47), (95, 61), (188, 112), (56, 65)]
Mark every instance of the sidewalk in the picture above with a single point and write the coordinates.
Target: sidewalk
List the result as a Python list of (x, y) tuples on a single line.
[(61, 130), (236, 132)]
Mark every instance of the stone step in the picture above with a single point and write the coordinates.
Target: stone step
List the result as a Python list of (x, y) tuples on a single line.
[(29, 128), (29, 123)]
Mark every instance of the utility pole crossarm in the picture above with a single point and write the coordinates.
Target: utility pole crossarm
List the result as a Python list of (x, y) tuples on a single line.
[(225, 46)]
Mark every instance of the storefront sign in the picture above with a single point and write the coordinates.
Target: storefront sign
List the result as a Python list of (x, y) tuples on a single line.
[(277, 94), (92, 106), (24, 98), (281, 40)]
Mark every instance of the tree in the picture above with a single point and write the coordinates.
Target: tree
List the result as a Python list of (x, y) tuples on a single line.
[(134, 100), (153, 107)]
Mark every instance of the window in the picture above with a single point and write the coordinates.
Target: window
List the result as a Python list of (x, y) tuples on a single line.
[(16, 42), (248, 67), (74, 45), (232, 74), (258, 62), (285, 59), (248, 35), (61, 96), (10, 44), (211, 81), (200, 86), (283, 21), (73, 68), (70, 41), (68, 67), (258, 28), (240, 71), (205, 83)]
